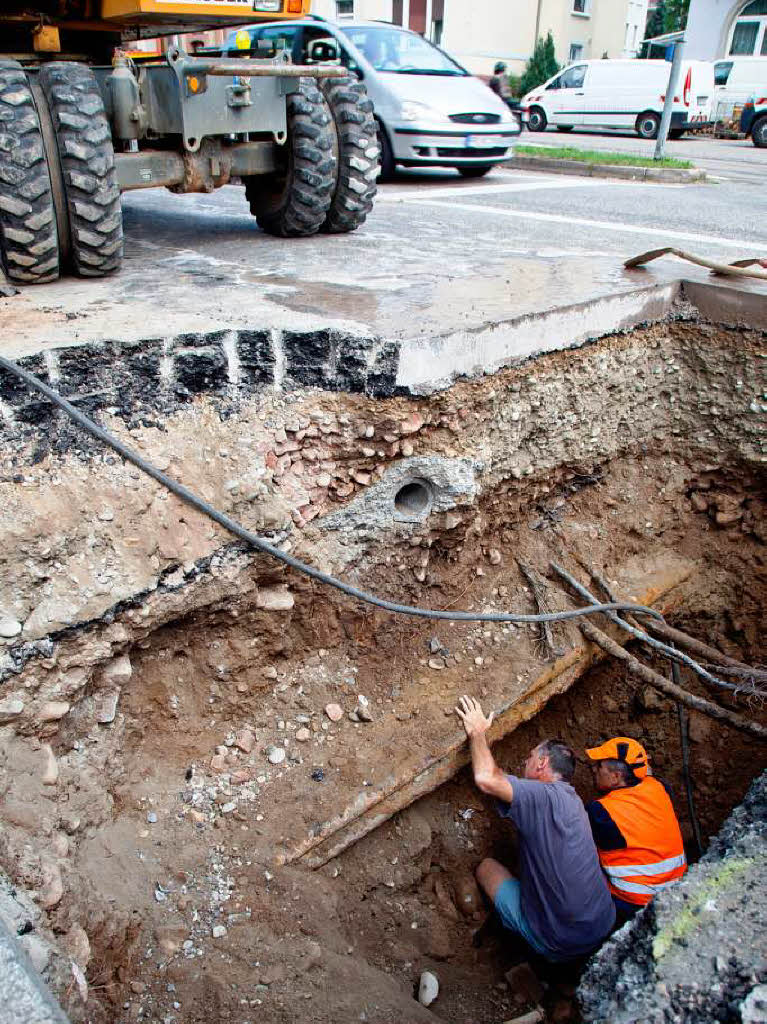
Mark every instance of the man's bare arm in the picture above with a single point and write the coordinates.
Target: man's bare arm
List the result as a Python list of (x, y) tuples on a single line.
[(487, 775)]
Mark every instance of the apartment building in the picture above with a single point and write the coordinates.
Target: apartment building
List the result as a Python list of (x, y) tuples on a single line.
[(480, 32), (723, 28)]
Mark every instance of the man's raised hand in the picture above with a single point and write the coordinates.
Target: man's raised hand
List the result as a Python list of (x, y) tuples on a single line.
[(474, 721)]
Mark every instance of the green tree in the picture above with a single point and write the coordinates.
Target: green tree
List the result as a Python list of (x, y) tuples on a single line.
[(656, 26), (541, 66), (675, 15)]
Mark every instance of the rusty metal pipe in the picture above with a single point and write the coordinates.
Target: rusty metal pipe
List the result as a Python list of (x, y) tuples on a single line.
[(248, 69)]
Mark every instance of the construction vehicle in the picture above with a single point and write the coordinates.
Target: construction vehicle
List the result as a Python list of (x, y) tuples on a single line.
[(81, 122)]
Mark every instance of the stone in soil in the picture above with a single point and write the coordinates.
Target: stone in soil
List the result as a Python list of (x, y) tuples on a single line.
[(334, 712), (275, 755), (428, 988), (9, 627), (10, 708)]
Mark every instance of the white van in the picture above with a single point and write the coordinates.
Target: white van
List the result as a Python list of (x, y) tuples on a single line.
[(621, 94), (737, 79)]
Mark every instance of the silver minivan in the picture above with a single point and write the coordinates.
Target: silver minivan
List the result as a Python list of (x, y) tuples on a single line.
[(430, 111)]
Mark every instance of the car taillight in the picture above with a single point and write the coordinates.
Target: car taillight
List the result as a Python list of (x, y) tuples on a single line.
[(686, 87)]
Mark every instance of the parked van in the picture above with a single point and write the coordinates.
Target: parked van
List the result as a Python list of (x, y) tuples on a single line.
[(621, 94), (737, 79)]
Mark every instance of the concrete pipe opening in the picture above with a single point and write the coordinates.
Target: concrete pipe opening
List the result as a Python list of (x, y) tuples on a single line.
[(414, 499)]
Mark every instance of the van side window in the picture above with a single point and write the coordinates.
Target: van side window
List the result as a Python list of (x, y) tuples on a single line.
[(573, 77), (556, 84), (722, 72)]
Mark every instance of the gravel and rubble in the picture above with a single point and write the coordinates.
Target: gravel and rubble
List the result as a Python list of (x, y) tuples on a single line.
[(696, 954), (177, 713)]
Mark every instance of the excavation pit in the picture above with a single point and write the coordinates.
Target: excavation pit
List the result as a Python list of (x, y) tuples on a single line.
[(154, 666)]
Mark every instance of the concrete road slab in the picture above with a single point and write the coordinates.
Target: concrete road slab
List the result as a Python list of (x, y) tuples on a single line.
[(437, 255)]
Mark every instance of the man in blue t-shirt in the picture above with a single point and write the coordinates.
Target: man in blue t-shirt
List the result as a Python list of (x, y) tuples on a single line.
[(560, 904)]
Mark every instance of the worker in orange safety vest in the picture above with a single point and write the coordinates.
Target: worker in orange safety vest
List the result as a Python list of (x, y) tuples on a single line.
[(635, 829)]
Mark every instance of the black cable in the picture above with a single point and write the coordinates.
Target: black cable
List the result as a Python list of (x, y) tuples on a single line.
[(683, 739), (263, 545)]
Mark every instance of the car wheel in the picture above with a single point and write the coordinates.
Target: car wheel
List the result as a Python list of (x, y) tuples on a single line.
[(565, 127), (537, 120), (475, 172), (387, 156), (759, 133), (647, 125)]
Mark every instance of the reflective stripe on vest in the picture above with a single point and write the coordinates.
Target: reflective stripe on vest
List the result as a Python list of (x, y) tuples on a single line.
[(637, 889), (660, 868)]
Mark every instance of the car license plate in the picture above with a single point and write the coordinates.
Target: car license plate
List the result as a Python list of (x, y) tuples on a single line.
[(482, 141)]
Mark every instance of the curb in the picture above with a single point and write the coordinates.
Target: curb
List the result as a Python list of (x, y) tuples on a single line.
[(675, 175)]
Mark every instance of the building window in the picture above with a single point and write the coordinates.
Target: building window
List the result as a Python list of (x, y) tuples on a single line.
[(749, 32), (344, 8), (582, 7), (576, 52)]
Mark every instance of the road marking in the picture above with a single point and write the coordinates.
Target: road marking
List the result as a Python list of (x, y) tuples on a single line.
[(519, 186), (555, 218)]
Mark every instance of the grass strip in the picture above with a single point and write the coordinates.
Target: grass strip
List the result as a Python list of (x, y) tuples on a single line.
[(593, 156)]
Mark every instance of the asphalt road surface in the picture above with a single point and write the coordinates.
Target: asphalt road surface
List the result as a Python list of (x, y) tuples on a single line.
[(438, 253), (736, 160)]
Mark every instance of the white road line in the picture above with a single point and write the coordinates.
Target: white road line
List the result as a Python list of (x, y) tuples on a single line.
[(605, 225), (388, 196)]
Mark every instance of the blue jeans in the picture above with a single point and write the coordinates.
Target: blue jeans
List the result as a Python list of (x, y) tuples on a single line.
[(509, 907)]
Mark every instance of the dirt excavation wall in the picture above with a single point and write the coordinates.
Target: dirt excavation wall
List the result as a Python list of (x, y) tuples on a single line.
[(188, 729)]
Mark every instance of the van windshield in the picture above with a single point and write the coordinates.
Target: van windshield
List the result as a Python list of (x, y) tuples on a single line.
[(403, 53)]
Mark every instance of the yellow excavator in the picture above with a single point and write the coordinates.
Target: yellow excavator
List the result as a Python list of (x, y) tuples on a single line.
[(82, 121)]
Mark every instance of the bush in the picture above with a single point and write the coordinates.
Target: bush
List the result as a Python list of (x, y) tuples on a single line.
[(515, 84), (541, 66)]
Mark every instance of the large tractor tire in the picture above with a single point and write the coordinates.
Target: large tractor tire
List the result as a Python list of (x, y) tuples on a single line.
[(29, 247), (357, 154), (91, 240), (294, 201)]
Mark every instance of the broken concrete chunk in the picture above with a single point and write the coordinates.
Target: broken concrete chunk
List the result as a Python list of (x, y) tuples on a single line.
[(428, 988), (275, 599), (303, 735), (275, 755)]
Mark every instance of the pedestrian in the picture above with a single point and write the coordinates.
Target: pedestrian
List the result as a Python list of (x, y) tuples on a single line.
[(560, 904), (634, 826), (499, 83)]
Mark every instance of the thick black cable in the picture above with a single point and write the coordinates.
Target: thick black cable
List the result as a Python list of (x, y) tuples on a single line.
[(263, 545), (682, 718)]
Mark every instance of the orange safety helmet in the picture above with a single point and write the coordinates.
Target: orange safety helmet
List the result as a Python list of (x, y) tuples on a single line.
[(622, 748)]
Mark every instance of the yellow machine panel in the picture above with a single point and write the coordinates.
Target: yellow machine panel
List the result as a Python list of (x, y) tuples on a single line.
[(212, 12)]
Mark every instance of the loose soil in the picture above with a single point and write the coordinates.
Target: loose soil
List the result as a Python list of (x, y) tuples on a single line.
[(167, 848), (167, 821)]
